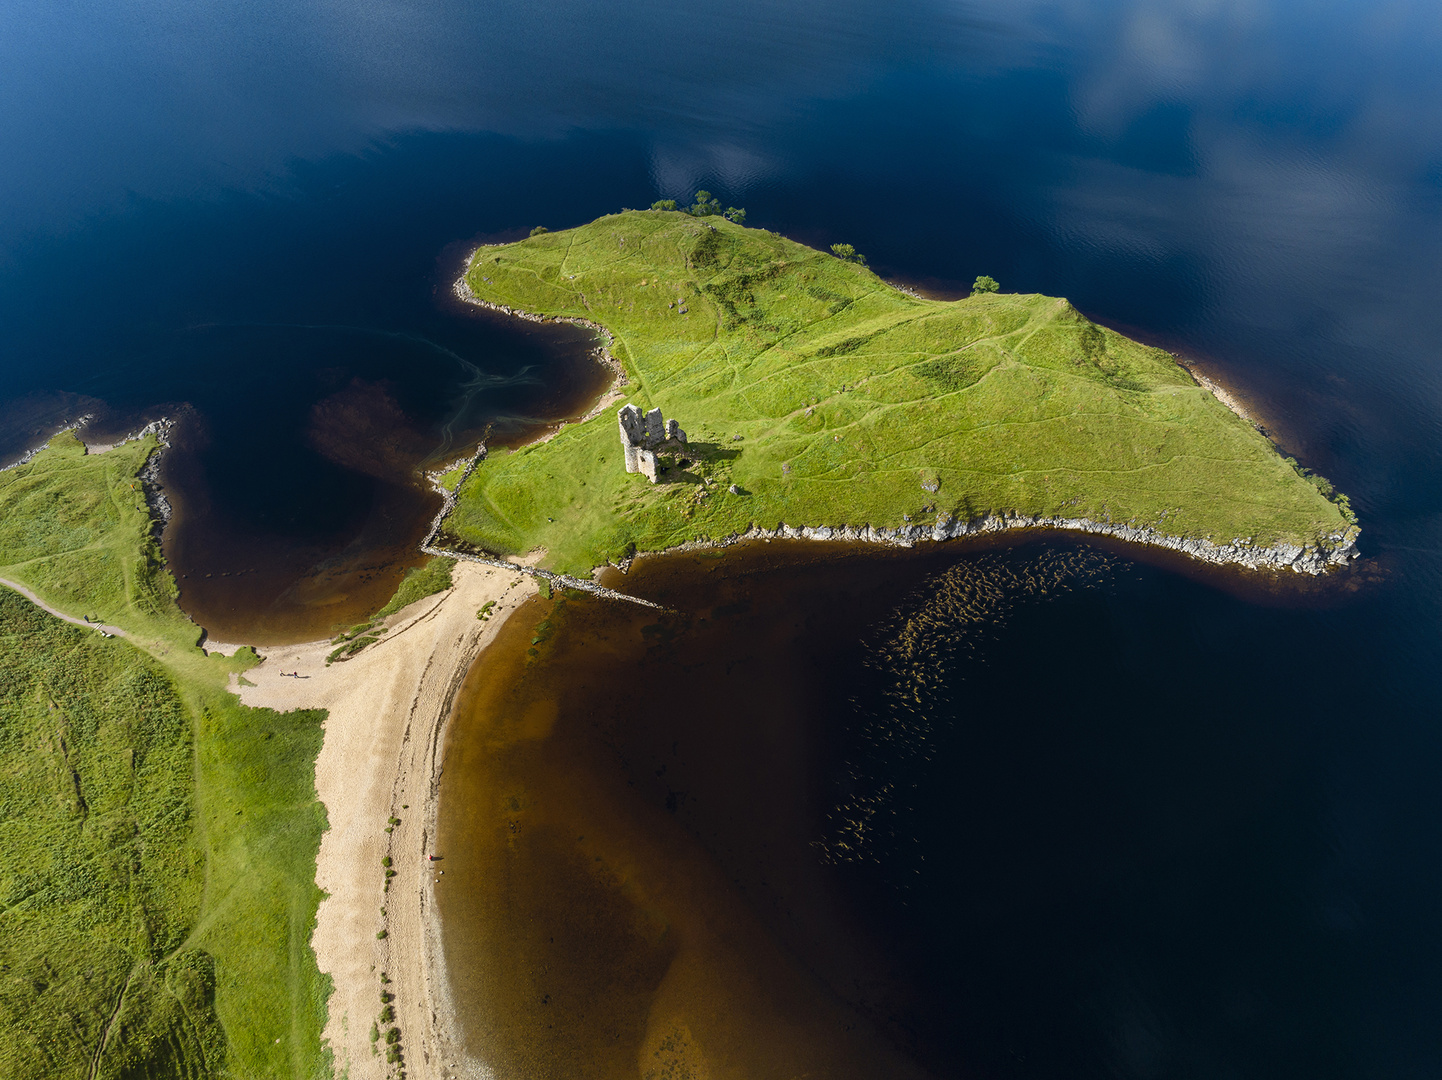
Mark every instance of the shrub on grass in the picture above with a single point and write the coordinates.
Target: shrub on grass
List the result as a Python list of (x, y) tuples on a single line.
[(984, 284), (664, 204)]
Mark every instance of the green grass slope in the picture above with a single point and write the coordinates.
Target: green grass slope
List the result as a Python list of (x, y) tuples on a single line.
[(157, 868), (101, 874), (431, 577), (75, 528), (830, 398)]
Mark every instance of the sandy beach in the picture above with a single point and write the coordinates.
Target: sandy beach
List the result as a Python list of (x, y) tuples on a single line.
[(381, 758)]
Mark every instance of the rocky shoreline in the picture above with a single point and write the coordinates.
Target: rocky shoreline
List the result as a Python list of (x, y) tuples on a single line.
[(462, 290), (149, 476), (72, 425), (1334, 551), (159, 506)]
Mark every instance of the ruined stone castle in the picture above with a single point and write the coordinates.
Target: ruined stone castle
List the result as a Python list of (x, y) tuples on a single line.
[(643, 434)]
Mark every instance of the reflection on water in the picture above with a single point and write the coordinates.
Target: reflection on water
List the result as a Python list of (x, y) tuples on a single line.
[(916, 662)]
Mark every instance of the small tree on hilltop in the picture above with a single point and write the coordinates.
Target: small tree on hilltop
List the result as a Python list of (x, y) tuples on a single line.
[(984, 284), (664, 204), (539, 229), (704, 206), (736, 214), (847, 253)]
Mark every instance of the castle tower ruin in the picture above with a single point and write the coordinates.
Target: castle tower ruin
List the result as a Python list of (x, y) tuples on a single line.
[(642, 435)]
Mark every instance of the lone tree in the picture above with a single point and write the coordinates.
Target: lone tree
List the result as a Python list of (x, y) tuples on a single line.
[(664, 204), (847, 253), (984, 284), (736, 214), (704, 206), (539, 229)]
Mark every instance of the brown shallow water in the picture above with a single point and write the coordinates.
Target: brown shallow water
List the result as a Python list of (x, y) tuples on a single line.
[(630, 821), (802, 823)]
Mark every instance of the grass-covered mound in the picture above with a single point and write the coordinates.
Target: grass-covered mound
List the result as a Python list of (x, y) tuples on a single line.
[(75, 528), (157, 867), (830, 398), (431, 577)]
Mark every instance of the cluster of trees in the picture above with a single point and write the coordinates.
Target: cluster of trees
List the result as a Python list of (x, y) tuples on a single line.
[(984, 284), (705, 206), (847, 253)]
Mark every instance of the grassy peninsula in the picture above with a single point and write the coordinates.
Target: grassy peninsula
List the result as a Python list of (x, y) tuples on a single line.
[(826, 397), (157, 873)]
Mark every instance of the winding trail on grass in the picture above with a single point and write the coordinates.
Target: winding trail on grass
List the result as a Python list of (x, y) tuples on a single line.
[(110, 1023), (104, 628)]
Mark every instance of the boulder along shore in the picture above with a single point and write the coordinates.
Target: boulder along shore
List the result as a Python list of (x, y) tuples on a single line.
[(1333, 551)]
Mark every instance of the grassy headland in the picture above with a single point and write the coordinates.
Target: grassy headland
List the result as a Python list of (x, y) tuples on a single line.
[(157, 878), (829, 398)]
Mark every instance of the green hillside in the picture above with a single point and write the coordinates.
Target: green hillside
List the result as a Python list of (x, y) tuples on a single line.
[(157, 869), (829, 398)]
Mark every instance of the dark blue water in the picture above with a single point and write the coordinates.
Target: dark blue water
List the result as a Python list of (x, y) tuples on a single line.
[(1216, 843)]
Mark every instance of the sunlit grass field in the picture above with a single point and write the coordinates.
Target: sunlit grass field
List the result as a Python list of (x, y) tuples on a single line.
[(827, 397), (157, 867)]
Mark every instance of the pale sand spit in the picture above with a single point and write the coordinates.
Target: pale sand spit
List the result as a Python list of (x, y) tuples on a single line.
[(381, 758)]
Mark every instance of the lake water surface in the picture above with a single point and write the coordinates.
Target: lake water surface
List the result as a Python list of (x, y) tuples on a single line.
[(1149, 824)]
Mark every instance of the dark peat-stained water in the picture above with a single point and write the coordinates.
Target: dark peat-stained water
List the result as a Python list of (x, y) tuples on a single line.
[(958, 811)]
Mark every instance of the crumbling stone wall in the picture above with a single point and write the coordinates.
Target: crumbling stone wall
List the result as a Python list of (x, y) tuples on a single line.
[(642, 434)]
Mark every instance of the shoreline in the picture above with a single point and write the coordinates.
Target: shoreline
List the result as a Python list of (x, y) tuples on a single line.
[(381, 759), (1308, 559), (461, 289)]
